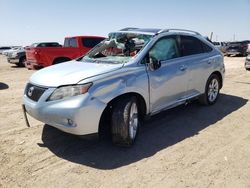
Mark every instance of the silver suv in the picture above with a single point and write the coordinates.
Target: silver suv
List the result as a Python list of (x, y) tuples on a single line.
[(133, 74)]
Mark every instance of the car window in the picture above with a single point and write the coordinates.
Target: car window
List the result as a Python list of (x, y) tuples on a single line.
[(91, 42), (165, 49), (206, 48), (120, 47), (52, 44), (70, 42), (190, 46)]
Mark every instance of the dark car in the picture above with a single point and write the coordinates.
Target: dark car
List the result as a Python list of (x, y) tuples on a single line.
[(237, 48)]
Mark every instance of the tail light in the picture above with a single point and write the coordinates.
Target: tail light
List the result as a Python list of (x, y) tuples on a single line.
[(245, 46), (36, 52)]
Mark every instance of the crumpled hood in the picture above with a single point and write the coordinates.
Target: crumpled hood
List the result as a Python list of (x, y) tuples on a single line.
[(70, 73)]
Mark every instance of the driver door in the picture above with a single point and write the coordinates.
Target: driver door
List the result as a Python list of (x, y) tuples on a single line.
[(168, 83)]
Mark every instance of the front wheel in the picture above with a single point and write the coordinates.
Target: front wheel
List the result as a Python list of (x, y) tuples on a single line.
[(212, 91), (125, 121)]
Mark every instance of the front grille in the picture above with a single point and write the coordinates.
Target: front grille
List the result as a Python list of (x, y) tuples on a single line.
[(34, 92)]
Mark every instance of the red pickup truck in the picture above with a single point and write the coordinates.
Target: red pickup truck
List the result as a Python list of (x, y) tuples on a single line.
[(43, 56)]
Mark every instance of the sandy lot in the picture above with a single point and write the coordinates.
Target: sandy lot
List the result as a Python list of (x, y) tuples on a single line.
[(189, 146)]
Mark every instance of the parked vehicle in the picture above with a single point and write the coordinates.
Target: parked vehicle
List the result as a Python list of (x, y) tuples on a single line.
[(4, 48), (133, 74), (43, 56), (221, 46), (237, 48), (17, 57), (247, 63), (248, 48), (6, 52)]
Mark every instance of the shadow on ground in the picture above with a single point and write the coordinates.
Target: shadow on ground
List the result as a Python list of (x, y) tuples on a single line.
[(161, 131), (17, 67), (3, 86)]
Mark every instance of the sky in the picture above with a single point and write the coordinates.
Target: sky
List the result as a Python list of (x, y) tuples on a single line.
[(28, 21)]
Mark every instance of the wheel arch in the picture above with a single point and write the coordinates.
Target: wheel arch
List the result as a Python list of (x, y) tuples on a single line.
[(60, 59), (104, 123), (217, 73)]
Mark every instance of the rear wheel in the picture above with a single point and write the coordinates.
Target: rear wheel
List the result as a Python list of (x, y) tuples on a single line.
[(212, 91), (125, 121)]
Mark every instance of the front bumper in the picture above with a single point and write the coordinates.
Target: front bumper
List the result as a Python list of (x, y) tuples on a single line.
[(79, 115), (13, 60)]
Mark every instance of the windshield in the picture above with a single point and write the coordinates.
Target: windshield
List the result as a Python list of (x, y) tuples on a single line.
[(118, 48)]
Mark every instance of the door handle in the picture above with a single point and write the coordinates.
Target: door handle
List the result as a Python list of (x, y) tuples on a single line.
[(209, 62), (183, 67)]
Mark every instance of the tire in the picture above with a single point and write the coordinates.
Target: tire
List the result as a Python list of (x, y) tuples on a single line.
[(21, 62), (212, 91), (125, 122)]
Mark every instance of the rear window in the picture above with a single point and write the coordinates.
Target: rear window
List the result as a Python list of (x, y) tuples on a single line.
[(91, 42), (190, 46), (70, 42)]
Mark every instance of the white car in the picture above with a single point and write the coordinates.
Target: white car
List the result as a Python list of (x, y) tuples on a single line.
[(220, 46), (6, 52), (4, 48)]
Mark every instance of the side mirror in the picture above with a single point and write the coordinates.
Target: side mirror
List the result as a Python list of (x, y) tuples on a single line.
[(154, 63)]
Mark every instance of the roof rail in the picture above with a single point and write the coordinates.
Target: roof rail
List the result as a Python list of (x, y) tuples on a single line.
[(128, 29), (182, 30)]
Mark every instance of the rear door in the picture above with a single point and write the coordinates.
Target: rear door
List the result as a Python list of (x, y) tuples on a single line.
[(199, 62)]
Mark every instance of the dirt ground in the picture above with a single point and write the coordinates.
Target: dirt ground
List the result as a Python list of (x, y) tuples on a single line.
[(189, 146)]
